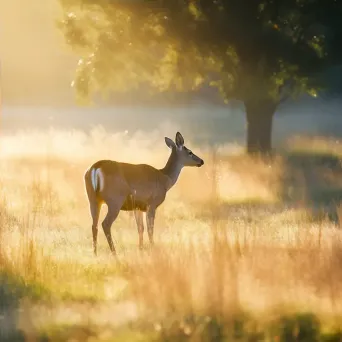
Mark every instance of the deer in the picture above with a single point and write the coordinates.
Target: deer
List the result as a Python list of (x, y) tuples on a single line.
[(140, 188)]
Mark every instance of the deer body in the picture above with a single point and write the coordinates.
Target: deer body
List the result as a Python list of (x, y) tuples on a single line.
[(134, 187), (142, 185)]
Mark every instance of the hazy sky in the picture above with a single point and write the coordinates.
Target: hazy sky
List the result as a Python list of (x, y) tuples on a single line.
[(36, 66)]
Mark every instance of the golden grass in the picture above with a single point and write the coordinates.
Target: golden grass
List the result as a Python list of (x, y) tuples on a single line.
[(225, 242)]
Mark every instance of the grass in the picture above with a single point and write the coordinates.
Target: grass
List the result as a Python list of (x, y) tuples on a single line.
[(246, 250)]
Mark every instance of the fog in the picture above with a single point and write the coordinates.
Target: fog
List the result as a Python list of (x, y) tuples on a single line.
[(36, 65), (37, 69), (204, 124)]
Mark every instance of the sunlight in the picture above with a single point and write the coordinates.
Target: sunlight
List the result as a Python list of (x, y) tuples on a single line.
[(247, 246), (48, 236)]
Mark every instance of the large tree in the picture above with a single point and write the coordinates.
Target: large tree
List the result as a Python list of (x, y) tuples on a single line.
[(258, 51)]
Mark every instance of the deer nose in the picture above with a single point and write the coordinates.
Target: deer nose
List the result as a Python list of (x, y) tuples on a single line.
[(201, 163)]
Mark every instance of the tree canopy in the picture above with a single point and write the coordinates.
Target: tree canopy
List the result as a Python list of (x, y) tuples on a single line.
[(247, 49)]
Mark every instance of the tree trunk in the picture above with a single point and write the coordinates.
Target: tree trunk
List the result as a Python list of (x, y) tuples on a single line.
[(259, 126)]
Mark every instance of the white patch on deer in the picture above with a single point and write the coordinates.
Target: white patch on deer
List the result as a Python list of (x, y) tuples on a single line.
[(97, 179)]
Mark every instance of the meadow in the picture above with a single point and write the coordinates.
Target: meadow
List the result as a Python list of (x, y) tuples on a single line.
[(247, 249)]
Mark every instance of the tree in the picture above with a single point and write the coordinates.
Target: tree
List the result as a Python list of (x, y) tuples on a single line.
[(258, 51)]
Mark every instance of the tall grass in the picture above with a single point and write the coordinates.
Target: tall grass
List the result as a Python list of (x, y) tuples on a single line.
[(230, 257)]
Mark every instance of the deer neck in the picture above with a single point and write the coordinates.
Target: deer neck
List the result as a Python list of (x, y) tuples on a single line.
[(172, 169)]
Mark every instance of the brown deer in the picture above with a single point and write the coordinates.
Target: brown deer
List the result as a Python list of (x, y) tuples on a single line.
[(134, 187)]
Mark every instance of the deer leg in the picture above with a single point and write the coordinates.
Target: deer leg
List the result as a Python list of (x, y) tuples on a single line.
[(150, 215), (114, 206), (140, 224), (95, 208)]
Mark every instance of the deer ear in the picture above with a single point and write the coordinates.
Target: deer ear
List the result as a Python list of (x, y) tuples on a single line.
[(169, 142), (179, 140)]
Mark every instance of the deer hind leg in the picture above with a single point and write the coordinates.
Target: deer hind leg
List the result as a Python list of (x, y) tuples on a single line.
[(114, 207), (140, 224), (95, 208), (150, 216)]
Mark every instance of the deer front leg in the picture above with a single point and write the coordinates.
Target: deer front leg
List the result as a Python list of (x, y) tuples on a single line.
[(140, 225), (150, 215)]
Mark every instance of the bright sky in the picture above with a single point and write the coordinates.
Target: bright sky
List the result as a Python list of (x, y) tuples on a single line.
[(36, 66)]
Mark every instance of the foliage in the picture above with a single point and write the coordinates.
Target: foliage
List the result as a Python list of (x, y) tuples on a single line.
[(248, 50)]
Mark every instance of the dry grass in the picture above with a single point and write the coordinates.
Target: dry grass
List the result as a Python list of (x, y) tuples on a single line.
[(226, 246)]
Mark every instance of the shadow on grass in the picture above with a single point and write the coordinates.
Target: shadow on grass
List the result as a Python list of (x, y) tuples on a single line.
[(12, 290), (310, 181), (79, 332), (316, 180), (303, 327)]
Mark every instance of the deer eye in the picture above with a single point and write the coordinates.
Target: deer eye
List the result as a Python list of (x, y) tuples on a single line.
[(190, 153)]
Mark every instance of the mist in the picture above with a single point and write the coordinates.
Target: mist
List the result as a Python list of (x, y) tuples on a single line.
[(239, 230), (37, 69), (203, 123)]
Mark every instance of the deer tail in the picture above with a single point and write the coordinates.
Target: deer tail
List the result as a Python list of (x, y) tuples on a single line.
[(97, 179)]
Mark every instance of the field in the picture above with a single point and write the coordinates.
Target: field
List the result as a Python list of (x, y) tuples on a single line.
[(246, 249)]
